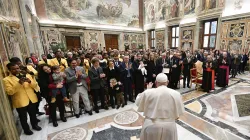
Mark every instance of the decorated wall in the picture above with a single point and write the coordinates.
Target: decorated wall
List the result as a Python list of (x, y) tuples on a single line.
[(133, 40), (13, 41), (55, 38), (105, 12), (160, 39), (155, 11), (235, 35)]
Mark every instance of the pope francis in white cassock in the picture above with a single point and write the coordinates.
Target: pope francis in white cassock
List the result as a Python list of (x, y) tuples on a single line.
[(161, 107)]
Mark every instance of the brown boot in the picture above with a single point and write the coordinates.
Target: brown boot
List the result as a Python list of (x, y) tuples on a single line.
[(65, 99), (53, 100)]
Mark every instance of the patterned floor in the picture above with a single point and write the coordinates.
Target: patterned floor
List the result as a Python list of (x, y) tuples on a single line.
[(222, 114)]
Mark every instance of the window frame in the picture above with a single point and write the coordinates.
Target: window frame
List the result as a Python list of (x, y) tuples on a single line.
[(209, 34), (175, 37)]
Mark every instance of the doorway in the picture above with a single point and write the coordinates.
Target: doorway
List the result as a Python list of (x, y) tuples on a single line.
[(73, 42), (111, 41)]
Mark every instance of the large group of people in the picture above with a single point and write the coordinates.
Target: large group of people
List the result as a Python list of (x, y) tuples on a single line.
[(112, 77)]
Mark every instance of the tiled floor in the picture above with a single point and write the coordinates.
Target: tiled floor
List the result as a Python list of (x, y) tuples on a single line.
[(208, 116)]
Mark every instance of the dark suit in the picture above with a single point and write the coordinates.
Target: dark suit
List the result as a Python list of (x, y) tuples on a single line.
[(151, 69), (186, 70), (159, 63), (127, 80), (174, 72), (117, 63), (138, 78), (97, 85)]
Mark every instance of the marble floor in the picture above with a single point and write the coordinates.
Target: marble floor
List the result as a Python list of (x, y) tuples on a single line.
[(222, 114)]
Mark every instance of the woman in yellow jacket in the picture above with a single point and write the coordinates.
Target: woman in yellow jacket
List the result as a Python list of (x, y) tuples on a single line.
[(21, 89)]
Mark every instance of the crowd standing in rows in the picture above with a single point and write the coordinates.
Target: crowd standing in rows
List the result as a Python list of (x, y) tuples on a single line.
[(114, 77)]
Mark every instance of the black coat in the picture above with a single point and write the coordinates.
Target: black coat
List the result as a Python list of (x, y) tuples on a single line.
[(138, 77), (112, 73), (187, 66), (151, 69), (159, 63), (124, 72)]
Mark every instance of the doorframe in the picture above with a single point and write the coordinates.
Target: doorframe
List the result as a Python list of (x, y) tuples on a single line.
[(114, 33), (76, 34)]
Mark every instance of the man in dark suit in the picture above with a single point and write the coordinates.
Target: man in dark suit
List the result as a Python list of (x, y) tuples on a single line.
[(187, 63), (117, 62), (97, 83), (77, 85), (162, 62), (127, 78)]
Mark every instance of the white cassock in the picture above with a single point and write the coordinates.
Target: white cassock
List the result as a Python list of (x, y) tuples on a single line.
[(161, 107)]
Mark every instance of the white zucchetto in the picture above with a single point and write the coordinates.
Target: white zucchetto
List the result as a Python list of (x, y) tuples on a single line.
[(161, 78)]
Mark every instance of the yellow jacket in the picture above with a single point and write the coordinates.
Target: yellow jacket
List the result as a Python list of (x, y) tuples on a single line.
[(30, 68), (21, 95), (86, 66), (42, 62), (63, 65)]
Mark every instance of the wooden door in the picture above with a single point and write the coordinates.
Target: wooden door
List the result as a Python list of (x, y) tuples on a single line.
[(73, 42), (111, 41)]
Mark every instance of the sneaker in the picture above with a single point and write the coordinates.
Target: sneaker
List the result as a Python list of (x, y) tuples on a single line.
[(123, 105), (53, 100)]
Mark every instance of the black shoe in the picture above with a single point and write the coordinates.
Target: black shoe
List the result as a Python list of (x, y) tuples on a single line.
[(113, 106), (132, 101), (118, 106), (184, 86), (89, 112), (37, 128), (29, 132), (123, 105), (63, 119), (77, 115), (188, 86), (55, 124), (37, 120), (96, 110), (40, 113), (105, 107)]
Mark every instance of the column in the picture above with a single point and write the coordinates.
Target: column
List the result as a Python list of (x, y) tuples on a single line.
[(146, 39), (166, 38), (26, 26), (219, 29), (196, 35), (37, 38)]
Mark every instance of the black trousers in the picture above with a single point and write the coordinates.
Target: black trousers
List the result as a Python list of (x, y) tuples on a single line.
[(52, 107), (39, 97), (22, 112), (98, 93), (111, 96), (186, 77), (128, 91)]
